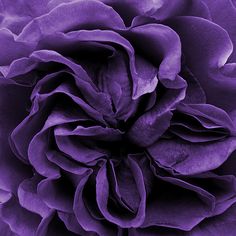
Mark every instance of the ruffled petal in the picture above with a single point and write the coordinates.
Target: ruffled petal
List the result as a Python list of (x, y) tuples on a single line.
[(152, 124), (84, 217), (102, 194), (73, 16), (29, 198), (207, 60), (201, 123), (13, 49), (51, 192), (183, 157), (162, 48), (20, 220)]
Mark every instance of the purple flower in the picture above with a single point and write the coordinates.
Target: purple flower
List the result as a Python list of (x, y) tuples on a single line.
[(117, 118)]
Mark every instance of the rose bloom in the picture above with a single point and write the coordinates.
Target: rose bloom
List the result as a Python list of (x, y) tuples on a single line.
[(117, 117)]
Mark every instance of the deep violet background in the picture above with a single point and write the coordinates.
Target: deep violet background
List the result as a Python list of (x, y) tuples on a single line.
[(117, 117)]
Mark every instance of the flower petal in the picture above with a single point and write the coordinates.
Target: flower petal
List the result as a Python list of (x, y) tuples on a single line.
[(183, 157), (73, 16), (152, 124), (13, 103)]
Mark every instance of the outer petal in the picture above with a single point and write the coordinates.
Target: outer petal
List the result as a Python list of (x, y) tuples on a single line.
[(15, 16), (225, 18), (20, 220), (206, 55), (187, 159), (12, 49), (29, 197), (13, 103), (168, 204), (57, 194), (201, 123), (5, 230), (170, 9), (73, 16), (220, 225), (159, 9)]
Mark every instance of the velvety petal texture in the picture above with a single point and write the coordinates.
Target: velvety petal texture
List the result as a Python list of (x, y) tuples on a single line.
[(117, 118)]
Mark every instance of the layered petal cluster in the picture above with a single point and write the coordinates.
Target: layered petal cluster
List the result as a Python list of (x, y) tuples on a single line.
[(117, 118)]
